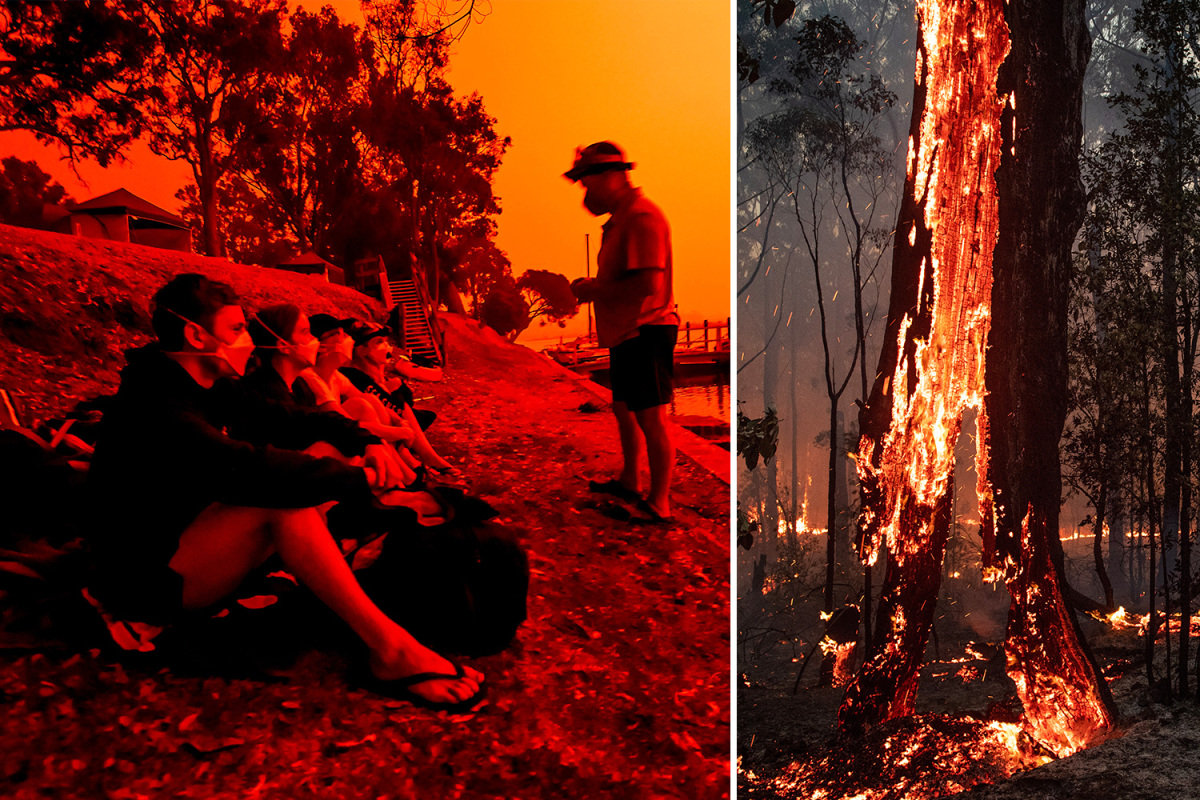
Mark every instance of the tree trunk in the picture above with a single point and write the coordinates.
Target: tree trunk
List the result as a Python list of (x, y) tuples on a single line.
[(1041, 204), (831, 511), (794, 512), (206, 185), (930, 368), (954, 218), (1098, 541)]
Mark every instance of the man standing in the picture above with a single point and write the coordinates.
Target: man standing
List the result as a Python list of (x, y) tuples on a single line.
[(635, 319)]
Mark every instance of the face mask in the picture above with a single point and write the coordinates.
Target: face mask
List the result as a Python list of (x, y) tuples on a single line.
[(307, 352), (236, 355), (343, 346), (592, 204)]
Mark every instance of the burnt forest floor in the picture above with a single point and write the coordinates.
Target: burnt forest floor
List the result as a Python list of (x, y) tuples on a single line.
[(1153, 754), (617, 685)]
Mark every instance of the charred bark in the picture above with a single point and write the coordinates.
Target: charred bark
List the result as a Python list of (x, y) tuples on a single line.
[(988, 192), (930, 368), (886, 686), (1041, 204)]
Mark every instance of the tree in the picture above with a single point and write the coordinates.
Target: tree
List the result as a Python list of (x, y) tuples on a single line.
[(477, 265), (24, 190), (548, 295), (212, 64), (820, 147), (436, 153), (982, 266), (73, 74), (307, 160), (504, 309), (250, 227)]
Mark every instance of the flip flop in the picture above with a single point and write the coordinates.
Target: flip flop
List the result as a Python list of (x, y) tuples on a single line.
[(615, 488), (401, 689), (654, 518)]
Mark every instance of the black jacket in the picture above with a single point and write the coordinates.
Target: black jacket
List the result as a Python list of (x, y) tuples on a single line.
[(164, 453)]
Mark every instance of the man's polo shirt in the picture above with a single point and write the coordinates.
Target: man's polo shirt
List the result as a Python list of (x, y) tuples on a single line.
[(636, 236)]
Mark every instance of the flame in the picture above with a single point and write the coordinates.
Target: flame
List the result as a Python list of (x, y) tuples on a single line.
[(802, 525), (843, 654), (906, 459), (951, 165), (1123, 620), (916, 758)]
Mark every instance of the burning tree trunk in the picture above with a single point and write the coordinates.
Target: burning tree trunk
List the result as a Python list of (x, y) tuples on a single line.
[(1041, 206), (931, 367), (985, 181)]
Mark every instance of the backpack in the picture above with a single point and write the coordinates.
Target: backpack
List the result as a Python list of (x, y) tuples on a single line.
[(459, 587)]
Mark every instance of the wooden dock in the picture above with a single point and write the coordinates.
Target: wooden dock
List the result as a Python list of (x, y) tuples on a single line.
[(698, 346)]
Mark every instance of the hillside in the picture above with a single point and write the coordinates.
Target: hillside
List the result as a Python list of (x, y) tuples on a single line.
[(70, 307), (617, 686)]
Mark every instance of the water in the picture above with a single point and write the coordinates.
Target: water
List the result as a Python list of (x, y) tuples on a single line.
[(697, 394), (702, 396)]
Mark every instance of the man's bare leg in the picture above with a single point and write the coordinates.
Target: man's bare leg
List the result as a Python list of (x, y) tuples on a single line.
[(631, 445), (660, 450), (224, 543)]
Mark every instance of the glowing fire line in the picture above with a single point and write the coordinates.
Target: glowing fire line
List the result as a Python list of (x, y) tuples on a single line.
[(907, 470)]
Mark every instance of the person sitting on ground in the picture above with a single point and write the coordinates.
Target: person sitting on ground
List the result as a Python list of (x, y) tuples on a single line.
[(406, 367), (184, 512), (399, 369), (285, 349), (372, 350), (333, 391)]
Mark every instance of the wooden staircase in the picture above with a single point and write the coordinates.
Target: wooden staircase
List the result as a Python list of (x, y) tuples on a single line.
[(417, 327)]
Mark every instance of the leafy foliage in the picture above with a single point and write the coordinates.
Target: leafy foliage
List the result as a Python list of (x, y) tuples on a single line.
[(24, 189), (504, 310), (73, 74), (549, 295), (757, 438), (307, 164)]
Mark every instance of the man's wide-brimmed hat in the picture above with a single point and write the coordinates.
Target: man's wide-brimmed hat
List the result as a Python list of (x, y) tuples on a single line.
[(598, 157)]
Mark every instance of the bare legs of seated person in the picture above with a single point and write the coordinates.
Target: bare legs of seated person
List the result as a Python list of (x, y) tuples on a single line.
[(225, 543), (368, 408)]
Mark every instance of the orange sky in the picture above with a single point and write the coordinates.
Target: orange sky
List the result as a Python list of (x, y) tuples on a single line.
[(652, 75)]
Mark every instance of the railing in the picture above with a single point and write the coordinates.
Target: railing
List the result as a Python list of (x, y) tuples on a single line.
[(709, 336), (439, 338)]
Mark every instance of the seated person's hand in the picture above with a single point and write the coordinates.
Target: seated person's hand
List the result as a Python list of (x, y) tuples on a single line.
[(380, 470), (405, 434)]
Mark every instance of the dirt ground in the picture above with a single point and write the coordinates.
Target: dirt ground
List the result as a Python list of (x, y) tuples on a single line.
[(1154, 753), (617, 685)]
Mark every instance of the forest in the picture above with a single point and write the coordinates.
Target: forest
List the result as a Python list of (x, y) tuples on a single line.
[(992, 385), (303, 133)]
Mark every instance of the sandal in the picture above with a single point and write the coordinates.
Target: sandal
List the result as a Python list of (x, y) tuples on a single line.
[(652, 518), (615, 488), (401, 689)]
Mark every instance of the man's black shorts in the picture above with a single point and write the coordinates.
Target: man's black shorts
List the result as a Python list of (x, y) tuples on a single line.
[(640, 369)]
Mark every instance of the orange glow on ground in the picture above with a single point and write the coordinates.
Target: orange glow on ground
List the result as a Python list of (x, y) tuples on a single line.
[(652, 75)]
